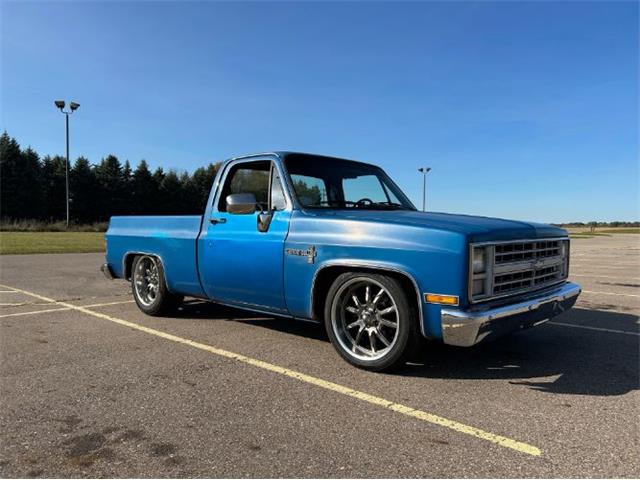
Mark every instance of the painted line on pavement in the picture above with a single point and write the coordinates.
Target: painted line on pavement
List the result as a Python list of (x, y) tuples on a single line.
[(611, 293), (62, 309), (615, 277), (591, 266), (610, 253), (318, 382), (597, 329)]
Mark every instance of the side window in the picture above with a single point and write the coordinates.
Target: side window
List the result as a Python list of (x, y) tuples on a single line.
[(278, 201), (311, 191), (247, 177)]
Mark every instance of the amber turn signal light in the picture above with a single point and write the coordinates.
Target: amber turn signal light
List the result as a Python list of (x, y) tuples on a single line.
[(441, 299)]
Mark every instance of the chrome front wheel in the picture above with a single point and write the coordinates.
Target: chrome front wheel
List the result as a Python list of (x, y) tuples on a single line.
[(364, 317), (369, 320)]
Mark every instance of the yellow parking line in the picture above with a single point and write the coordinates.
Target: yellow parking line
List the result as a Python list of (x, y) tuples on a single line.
[(49, 310), (334, 387)]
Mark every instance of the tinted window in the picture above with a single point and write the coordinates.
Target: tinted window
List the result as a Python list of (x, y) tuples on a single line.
[(364, 186), (310, 190), (324, 182), (248, 177), (278, 201)]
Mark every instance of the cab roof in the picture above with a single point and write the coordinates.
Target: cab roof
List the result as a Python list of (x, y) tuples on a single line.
[(293, 156)]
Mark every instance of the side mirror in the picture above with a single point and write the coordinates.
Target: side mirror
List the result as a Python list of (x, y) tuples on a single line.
[(241, 203)]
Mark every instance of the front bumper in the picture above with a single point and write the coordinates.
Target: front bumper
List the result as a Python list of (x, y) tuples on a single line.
[(464, 328)]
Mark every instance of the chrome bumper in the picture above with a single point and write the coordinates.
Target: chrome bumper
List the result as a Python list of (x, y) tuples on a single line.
[(464, 328)]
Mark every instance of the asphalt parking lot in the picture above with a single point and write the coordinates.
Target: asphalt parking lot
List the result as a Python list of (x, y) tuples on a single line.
[(92, 387)]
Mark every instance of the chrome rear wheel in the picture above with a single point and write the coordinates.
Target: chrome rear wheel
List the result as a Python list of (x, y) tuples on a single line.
[(146, 280), (149, 286)]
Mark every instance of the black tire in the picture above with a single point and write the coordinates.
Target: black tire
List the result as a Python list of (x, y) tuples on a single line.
[(343, 316), (162, 301)]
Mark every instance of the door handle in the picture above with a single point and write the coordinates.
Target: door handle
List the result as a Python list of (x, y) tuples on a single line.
[(217, 220)]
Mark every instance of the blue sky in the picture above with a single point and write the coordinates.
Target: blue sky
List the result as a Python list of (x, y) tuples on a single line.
[(524, 110)]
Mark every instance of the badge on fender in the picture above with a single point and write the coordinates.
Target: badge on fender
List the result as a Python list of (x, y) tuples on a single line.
[(310, 253)]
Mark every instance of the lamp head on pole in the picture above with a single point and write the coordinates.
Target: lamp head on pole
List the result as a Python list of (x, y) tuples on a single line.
[(59, 104), (73, 106), (424, 169)]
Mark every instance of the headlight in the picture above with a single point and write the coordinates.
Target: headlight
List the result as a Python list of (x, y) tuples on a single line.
[(479, 260)]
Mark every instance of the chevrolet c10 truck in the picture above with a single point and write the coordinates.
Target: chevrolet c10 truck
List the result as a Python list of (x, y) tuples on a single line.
[(336, 241)]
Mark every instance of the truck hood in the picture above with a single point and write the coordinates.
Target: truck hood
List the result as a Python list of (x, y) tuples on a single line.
[(474, 228)]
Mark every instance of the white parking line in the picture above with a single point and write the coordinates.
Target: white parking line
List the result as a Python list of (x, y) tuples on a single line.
[(49, 310), (615, 277), (597, 329), (19, 314), (611, 293), (612, 254), (616, 266), (603, 262)]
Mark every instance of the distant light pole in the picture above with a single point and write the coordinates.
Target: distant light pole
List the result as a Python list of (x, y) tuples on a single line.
[(424, 171), (73, 106)]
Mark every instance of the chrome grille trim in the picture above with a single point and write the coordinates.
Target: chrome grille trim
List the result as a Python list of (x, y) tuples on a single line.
[(512, 252), (514, 267)]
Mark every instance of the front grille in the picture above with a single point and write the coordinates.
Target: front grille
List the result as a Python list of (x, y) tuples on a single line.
[(512, 252), (516, 267)]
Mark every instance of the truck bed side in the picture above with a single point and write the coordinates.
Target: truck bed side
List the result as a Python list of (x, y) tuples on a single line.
[(171, 238)]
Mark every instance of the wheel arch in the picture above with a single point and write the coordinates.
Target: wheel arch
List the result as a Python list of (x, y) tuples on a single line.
[(127, 262), (326, 275)]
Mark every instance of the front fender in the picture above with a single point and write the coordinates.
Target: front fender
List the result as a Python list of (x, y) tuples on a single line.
[(434, 260), (300, 275), (380, 266)]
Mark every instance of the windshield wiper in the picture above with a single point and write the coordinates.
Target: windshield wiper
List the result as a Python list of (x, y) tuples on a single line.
[(389, 205), (348, 205)]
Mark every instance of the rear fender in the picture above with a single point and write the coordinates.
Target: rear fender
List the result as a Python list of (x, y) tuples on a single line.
[(127, 264)]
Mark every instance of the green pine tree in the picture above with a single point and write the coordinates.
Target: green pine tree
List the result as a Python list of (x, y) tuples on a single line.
[(144, 191), (10, 166), (83, 191)]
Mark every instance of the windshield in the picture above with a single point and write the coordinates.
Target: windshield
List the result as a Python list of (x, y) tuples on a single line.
[(324, 182)]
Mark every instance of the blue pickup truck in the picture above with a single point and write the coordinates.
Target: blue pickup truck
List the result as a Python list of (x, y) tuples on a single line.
[(336, 241)]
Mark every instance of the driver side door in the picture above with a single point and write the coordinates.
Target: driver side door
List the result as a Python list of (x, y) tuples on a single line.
[(241, 262)]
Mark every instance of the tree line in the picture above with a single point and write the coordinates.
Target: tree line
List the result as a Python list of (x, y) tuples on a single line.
[(593, 225), (33, 187)]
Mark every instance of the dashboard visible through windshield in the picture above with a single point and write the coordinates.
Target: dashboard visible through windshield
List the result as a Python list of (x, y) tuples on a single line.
[(324, 182)]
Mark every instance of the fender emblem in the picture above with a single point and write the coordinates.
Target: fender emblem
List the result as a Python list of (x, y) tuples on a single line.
[(310, 253)]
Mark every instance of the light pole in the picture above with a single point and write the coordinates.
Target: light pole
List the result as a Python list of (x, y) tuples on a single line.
[(424, 171), (73, 107)]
